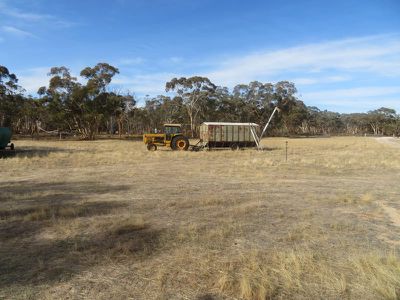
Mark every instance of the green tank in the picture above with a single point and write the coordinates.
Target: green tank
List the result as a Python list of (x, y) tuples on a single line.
[(5, 137)]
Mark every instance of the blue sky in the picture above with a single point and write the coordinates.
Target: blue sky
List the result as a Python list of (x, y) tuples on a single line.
[(342, 55)]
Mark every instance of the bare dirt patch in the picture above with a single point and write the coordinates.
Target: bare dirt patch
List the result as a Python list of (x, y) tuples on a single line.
[(392, 213), (394, 142)]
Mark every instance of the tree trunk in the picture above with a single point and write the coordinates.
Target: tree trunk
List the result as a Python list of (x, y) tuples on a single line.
[(375, 128), (191, 117), (120, 127)]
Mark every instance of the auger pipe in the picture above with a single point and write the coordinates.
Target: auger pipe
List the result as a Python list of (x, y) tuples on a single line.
[(269, 121), (255, 137)]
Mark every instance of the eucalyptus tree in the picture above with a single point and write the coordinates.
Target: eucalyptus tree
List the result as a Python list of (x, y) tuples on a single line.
[(11, 99), (293, 112), (81, 106), (117, 107), (172, 110), (257, 98), (57, 98), (355, 123), (194, 92), (228, 108), (381, 118)]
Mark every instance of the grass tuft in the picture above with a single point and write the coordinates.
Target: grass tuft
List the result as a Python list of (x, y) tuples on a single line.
[(134, 223)]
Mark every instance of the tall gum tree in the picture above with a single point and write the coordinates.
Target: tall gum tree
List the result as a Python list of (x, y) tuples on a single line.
[(10, 97), (84, 106), (194, 92)]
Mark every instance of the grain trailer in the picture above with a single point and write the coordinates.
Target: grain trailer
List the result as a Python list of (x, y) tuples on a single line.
[(224, 135)]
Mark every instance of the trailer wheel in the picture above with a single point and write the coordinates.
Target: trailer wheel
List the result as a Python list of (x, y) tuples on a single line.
[(196, 148), (235, 147), (151, 147), (12, 146), (180, 143)]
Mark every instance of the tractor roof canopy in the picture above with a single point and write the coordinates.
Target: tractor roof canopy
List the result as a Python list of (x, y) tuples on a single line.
[(172, 128)]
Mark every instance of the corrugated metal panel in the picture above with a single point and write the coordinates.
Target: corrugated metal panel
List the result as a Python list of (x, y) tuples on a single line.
[(226, 132), (231, 123), (229, 133), (217, 133)]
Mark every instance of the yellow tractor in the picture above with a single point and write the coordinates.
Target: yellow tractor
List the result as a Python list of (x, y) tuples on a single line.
[(171, 137)]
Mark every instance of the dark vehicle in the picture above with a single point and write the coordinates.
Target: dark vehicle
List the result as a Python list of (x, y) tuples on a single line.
[(5, 138)]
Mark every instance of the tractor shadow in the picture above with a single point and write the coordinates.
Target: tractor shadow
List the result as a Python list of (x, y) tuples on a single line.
[(29, 258)]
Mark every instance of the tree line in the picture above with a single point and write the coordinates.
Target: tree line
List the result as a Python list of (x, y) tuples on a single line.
[(88, 106)]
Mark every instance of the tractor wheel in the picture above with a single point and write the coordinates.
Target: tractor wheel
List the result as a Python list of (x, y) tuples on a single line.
[(151, 147), (235, 147), (180, 143)]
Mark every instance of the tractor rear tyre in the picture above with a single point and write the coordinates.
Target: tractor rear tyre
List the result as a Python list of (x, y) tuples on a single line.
[(180, 143), (151, 147)]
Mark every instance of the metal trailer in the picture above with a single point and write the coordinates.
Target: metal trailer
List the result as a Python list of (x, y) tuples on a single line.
[(5, 138), (224, 135)]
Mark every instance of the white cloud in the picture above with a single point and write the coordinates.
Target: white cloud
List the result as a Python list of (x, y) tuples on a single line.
[(151, 84), (315, 80), (356, 99), (330, 66), (32, 79), (16, 32), (144, 84), (29, 17), (16, 13), (359, 92), (131, 61), (326, 63), (378, 54), (175, 60), (350, 105)]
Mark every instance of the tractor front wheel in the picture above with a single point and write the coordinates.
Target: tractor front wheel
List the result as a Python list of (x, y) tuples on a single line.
[(180, 143), (151, 147)]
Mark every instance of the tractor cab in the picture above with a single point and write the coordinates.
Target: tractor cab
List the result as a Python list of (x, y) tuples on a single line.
[(171, 137), (171, 130)]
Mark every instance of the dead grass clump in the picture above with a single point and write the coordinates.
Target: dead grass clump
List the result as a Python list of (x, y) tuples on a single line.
[(301, 232), (212, 200), (133, 223), (351, 199), (379, 273), (190, 233), (60, 211), (346, 199), (367, 198), (55, 212), (216, 236), (343, 226), (259, 275), (304, 273)]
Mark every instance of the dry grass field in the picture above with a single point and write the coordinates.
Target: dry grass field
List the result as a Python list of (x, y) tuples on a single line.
[(110, 220)]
